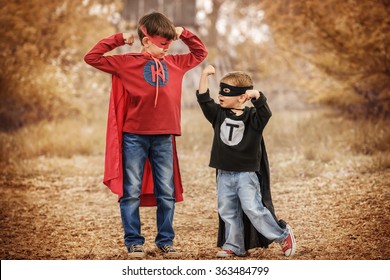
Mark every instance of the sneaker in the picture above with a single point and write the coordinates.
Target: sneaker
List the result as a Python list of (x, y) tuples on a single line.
[(136, 251), (225, 254), (168, 249), (288, 244)]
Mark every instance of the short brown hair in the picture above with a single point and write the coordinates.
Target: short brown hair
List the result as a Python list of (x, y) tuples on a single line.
[(238, 79), (156, 23)]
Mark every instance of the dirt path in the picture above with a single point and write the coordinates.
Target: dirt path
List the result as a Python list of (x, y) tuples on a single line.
[(56, 208)]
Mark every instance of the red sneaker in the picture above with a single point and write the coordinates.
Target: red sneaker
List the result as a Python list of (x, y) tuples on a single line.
[(225, 254), (288, 244)]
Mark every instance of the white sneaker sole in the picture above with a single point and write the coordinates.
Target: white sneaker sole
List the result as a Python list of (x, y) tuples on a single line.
[(224, 255), (137, 255)]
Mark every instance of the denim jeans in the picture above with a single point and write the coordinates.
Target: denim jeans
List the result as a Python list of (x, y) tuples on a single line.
[(136, 148), (239, 192)]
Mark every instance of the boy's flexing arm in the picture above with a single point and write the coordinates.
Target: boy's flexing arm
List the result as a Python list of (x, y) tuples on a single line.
[(263, 112), (197, 53), (204, 80), (207, 104), (113, 63)]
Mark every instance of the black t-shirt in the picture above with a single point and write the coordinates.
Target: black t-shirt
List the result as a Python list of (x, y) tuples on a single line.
[(236, 143)]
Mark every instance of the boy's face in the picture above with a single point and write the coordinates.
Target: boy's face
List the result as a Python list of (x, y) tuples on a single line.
[(160, 50), (228, 101), (160, 42), (156, 45)]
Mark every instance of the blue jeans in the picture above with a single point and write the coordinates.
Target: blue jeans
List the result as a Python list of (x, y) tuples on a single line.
[(136, 148), (239, 192)]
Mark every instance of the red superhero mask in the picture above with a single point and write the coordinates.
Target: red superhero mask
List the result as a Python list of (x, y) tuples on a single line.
[(159, 41)]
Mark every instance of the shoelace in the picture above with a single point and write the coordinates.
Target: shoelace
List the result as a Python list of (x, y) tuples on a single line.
[(284, 244), (167, 248)]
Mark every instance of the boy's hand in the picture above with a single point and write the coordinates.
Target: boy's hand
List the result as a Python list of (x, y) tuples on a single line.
[(128, 38), (179, 30), (252, 93), (209, 70)]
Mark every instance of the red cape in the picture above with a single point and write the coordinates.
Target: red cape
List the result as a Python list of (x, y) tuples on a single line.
[(113, 171)]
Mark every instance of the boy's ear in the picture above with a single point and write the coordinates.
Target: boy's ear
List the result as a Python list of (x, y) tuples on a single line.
[(242, 98), (145, 41)]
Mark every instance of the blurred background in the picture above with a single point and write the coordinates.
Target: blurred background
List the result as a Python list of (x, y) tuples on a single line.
[(324, 67), (303, 54)]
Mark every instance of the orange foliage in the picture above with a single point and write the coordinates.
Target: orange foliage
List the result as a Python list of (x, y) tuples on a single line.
[(336, 52), (347, 40), (42, 44)]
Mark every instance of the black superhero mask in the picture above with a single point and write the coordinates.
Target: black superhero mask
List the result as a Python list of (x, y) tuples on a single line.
[(228, 90)]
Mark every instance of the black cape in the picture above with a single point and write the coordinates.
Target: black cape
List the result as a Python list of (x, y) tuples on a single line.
[(253, 238)]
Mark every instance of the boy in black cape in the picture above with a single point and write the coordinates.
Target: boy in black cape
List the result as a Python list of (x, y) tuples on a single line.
[(246, 214)]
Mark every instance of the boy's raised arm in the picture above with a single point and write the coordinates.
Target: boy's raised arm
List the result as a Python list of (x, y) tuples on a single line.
[(197, 49), (207, 104), (263, 112), (111, 64), (204, 82)]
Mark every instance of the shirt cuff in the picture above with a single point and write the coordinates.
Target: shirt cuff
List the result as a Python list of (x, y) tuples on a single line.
[(120, 41), (259, 101), (203, 97)]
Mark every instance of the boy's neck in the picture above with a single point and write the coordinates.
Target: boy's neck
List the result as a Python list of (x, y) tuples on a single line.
[(238, 111)]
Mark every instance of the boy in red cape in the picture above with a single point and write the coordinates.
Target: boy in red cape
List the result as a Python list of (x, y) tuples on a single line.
[(141, 164)]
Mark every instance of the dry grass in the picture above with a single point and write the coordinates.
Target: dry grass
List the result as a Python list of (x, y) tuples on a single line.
[(318, 136), (335, 197), (63, 138), (319, 140)]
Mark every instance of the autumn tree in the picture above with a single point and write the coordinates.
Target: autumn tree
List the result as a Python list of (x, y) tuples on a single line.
[(336, 51), (348, 41), (42, 44)]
